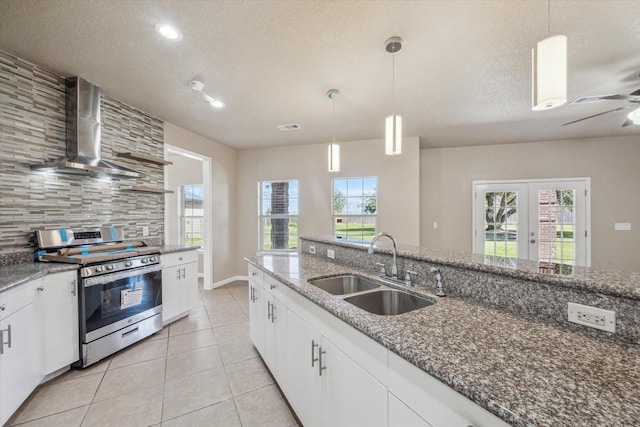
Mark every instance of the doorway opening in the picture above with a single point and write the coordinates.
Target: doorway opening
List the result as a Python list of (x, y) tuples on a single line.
[(547, 221), (188, 211)]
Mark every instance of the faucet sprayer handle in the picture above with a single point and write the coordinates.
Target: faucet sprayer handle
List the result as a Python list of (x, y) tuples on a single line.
[(409, 273), (383, 270), (435, 270)]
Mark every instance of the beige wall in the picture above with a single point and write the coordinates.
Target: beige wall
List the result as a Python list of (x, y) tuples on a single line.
[(398, 187), (613, 164), (223, 173)]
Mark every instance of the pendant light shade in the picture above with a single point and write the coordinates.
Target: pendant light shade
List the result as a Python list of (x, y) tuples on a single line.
[(393, 138), (334, 158), (550, 73), (334, 149)]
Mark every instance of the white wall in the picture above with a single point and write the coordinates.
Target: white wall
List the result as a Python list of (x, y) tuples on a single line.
[(612, 163), (223, 173), (398, 187)]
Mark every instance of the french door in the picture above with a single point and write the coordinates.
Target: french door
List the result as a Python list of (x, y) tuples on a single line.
[(540, 220)]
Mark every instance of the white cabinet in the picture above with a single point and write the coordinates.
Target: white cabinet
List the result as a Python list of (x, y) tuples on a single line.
[(57, 307), (304, 390), (275, 332), (350, 396), (435, 402), (179, 284), (400, 415), (20, 348)]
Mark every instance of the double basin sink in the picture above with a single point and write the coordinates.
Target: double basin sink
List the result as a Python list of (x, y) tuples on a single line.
[(367, 295)]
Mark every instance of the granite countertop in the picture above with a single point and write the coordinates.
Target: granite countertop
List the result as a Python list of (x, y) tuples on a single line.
[(18, 274), (167, 249), (617, 283), (523, 370)]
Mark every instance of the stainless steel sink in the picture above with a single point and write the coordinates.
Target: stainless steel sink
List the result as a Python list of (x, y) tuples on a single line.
[(347, 284), (388, 302)]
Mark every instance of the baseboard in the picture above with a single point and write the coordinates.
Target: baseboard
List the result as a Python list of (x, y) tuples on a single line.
[(227, 281)]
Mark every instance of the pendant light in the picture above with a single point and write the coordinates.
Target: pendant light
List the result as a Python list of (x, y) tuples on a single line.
[(549, 74), (334, 149), (393, 139)]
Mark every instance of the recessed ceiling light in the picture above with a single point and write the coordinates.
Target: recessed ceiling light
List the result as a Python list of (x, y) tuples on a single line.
[(167, 31)]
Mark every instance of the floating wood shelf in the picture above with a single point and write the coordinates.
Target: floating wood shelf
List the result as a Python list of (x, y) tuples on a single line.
[(145, 158), (150, 189)]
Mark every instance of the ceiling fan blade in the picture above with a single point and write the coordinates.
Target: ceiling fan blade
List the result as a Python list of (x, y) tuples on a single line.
[(596, 115), (616, 97), (627, 123), (635, 93)]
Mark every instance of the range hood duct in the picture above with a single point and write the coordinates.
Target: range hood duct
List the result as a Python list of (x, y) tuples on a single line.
[(83, 136)]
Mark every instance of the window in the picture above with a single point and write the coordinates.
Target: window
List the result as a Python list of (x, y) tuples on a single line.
[(355, 208), (278, 215), (191, 214)]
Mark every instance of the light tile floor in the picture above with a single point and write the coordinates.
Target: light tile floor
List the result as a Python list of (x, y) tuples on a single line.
[(201, 370)]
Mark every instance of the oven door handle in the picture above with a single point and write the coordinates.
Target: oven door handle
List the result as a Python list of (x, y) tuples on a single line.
[(108, 278)]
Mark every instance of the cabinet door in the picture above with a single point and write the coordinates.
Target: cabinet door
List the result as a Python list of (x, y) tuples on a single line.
[(350, 395), (57, 306), (400, 415), (304, 389), (257, 315), (275, 337), (170, 293), (20, 361), (188, 286)]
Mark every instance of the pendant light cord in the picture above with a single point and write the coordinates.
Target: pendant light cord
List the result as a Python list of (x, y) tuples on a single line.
[(393, 84), (548, 18), (334, 120)]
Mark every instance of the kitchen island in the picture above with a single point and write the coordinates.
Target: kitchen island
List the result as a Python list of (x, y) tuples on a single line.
[(522, 369)]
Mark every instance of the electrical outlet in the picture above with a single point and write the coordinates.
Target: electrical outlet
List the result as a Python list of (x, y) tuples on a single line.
[(592, 317), (312, 249), (331, 253), (145, 230)]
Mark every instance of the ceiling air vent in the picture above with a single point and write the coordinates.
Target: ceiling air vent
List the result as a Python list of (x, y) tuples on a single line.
[(587, 99), (293, 126)]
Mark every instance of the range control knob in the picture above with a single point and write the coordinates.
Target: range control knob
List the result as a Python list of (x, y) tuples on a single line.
[(128, 263), (154, 259), (99, 269), (109, 266), (145, 260)]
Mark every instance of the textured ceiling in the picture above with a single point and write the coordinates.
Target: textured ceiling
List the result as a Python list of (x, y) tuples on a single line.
[(463, 76)]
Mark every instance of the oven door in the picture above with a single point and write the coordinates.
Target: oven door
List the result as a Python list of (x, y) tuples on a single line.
[(113, 301)]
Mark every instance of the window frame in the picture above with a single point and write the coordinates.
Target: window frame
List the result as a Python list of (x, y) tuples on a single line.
[(183, 217), (373, 216), (262, 218)]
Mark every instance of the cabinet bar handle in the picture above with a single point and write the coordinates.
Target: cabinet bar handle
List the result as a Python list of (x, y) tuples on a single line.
[(268, 309), (184, 272), (74, 287), (251, 293), (320, 367), (273, 317), (2, 343), (178, 271), (314, 359)]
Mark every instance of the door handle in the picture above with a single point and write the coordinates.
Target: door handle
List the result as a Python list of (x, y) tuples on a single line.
[(320, 367), (2, 343), (133, 331), (314, 359)]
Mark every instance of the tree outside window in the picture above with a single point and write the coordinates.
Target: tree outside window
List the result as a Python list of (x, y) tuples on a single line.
[(278, 215), (355, 208), (192, 215)]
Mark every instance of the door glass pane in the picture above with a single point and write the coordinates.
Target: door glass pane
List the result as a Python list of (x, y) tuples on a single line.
[(556, 225), (501, 224)]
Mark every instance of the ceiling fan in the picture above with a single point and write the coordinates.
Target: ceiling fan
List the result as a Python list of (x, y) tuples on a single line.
[(632, 119)]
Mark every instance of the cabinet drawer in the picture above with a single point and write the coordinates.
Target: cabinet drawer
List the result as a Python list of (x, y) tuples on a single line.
[(18, 297), (178, 258), (255, 274)]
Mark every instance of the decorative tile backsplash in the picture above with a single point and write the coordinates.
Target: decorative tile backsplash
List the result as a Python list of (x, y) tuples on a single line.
[(32, 131)]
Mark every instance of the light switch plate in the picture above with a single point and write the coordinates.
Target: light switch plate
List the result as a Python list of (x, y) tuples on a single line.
[(331, 253), (145, 230), (622, 226), (312, 249)]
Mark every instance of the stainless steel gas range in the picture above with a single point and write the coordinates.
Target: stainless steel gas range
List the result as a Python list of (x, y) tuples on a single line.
[(120, 292)]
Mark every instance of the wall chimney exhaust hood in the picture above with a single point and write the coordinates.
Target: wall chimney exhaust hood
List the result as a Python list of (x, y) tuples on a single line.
[(83, 136)]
